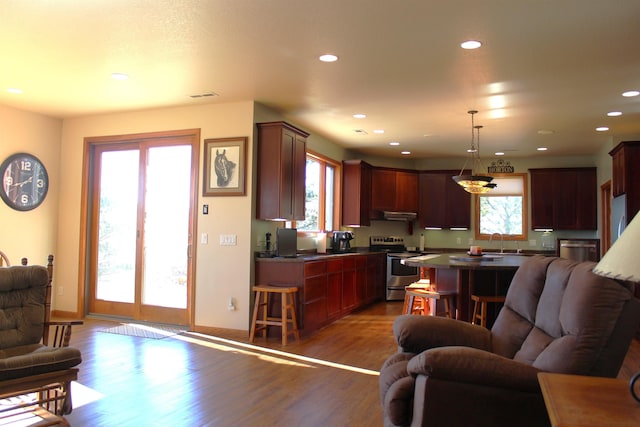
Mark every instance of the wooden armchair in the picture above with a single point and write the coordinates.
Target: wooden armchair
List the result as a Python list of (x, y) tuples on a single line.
[(33, 372)]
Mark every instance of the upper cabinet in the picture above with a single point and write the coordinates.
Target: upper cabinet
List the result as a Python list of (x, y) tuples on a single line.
[(564, 198), (356, 193), (394, 190), (626, 174), (281, 171), (442, 202)]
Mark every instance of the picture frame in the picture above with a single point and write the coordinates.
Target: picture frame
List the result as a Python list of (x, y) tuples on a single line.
[(225, 166)]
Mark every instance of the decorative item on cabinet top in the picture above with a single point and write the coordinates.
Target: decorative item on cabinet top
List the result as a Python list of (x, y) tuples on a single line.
[(225, 166)]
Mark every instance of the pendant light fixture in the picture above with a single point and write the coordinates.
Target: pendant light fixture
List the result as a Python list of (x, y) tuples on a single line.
[(474, 183)]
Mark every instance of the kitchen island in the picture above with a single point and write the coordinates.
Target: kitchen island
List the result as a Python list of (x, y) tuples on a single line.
[(489, 274)]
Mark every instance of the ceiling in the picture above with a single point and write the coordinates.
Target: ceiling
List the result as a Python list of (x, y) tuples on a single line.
[(547, 74)]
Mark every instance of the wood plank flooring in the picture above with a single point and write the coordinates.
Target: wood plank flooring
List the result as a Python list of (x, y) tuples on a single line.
[(328, 379)]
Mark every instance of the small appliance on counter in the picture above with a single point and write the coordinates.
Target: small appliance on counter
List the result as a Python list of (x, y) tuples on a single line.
[(340, 241), (287, 242)]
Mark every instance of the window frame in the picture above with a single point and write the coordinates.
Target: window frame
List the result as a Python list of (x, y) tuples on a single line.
[(525, 210), (337, 191)]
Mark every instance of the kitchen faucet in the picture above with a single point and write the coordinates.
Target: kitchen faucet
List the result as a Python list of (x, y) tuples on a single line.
[(501, 241)]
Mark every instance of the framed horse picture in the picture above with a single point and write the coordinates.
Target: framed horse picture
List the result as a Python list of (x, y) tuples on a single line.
[(225, 166)]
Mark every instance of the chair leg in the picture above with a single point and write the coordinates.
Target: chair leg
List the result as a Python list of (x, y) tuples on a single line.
[(254, 318)]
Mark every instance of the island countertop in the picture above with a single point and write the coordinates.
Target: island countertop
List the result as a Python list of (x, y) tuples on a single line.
[(467, 262)]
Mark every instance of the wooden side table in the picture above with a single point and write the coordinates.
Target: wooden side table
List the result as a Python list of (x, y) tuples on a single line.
[(574, 400)]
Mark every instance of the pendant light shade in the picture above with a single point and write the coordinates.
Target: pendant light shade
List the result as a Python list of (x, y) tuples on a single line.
[(474, 183)]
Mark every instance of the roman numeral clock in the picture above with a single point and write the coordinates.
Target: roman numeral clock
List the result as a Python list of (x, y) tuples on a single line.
[(24, 182)]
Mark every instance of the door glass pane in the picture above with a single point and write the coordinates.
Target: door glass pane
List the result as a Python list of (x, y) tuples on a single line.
[(117, 226), (166, 226)]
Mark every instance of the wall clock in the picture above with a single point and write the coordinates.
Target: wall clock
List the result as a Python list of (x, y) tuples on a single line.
[(24, 181)]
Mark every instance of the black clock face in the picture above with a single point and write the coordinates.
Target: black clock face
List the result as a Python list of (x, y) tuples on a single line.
[(24, 182)]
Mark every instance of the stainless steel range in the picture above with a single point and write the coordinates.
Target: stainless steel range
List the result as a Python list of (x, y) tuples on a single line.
[(398, 274)]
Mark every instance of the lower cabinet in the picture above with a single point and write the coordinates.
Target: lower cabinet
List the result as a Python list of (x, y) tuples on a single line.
[(328, 288)]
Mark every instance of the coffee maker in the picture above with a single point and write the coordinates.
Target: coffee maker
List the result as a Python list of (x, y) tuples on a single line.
[(340, 241)]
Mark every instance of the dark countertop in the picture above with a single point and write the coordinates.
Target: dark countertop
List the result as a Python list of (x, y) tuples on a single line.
[(462, 261), (314, 256)]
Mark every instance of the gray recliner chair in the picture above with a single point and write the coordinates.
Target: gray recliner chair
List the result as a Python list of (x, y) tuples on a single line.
[(558, 317)]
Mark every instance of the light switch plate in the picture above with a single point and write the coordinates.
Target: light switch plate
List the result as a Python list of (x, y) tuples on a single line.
[(228, 240)]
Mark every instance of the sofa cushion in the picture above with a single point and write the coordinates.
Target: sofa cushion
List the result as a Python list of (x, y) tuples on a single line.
[(36, 359)]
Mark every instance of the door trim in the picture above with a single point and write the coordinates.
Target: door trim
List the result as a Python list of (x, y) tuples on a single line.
[(85, 211)]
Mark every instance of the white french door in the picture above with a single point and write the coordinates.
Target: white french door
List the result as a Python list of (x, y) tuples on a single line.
[(142, 202)]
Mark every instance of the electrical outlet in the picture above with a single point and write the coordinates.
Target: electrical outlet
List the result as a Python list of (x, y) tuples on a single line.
[(204, 238), (532, 242), (458, 240), (470, 241), (60, 291)]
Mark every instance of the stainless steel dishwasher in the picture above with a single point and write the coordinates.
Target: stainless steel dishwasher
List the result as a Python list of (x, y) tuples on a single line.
[(579, 249)]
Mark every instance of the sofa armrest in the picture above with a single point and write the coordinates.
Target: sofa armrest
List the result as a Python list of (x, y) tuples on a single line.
[(470, 365), (61, 332), (414, 334)]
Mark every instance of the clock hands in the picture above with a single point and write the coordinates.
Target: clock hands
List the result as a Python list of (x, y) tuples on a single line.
[(20, 184)]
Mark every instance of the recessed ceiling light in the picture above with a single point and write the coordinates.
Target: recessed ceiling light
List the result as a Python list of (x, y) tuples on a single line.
[(379, 131), (614, 113), (630, 93), (470, 44), (541, 148), (602, 129), (14, 90), (499, 153), (405, 153), (328, 58), (394, 143), (119, 76), (546, 132), (359, 116)]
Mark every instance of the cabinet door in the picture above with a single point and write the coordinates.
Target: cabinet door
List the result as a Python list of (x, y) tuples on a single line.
[(406, 192), (334, 288), (457, 205), (383, 189), (298, 191), (541, 199), (431, 202), (356, 193)]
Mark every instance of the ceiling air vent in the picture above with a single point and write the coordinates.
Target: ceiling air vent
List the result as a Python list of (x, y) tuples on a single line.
[(361, 131), (203, 95)]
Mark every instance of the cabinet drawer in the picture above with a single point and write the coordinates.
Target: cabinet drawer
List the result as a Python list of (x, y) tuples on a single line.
[(334, 265), (349, 263), (315, 268), (315, 287)]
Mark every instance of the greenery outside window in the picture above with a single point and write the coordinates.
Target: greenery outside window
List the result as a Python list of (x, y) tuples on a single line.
[(504, 209), (321, 195)]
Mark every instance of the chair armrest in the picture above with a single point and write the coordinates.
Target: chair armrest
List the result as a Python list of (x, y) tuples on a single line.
[(478, 367), (415, 334), (62, 332)]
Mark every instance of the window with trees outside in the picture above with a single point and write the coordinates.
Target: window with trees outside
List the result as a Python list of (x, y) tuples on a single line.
[(504, 209), (321, 204)]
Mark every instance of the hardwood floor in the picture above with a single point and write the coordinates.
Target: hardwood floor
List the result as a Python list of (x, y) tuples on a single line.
[(329, 379)]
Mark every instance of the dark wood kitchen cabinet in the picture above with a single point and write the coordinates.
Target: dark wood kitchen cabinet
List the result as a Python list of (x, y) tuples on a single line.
[(626, 175), (442, 202), (329, 287), (394, 190), (356, 193), (564, 198), (281, 171)]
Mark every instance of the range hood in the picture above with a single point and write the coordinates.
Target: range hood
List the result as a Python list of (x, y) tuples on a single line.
[(399, 216)]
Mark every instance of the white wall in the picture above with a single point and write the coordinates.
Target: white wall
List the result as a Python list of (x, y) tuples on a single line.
[(32, 234)]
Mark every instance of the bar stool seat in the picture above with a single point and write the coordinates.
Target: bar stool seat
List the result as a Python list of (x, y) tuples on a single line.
[(287, 311), (417, 300), (480, 307)]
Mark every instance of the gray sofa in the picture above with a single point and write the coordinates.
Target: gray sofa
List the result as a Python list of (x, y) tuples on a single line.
[(558, 317)]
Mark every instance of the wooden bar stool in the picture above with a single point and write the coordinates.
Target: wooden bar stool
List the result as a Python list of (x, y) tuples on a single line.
[(480, 307), (417, 301), (287, 311)]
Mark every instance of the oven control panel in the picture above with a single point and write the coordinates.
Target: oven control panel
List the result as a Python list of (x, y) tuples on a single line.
[(386, 241)]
